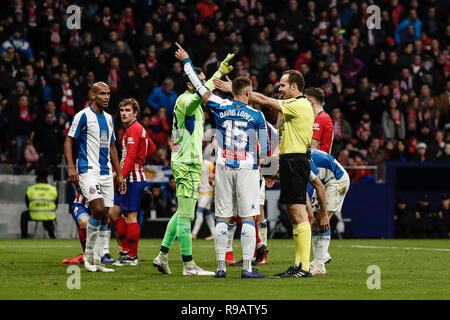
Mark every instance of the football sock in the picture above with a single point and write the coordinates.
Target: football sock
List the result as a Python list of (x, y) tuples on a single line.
[(231, 231), (210, 221), (198, 221), (185, 239), (314, 242), (92, 231), (248, 242), (302, 244), (263, 231), (121, 233), (133, 238), (82, 236), (221, 242), (170, 235), (107, 241), (100, 243), (323, 244), (258, 239), (186, 209)]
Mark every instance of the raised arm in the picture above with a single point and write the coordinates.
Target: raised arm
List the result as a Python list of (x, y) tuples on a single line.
[(207, 96)]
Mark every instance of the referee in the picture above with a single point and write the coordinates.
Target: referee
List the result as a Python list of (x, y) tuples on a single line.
[(297, 120)]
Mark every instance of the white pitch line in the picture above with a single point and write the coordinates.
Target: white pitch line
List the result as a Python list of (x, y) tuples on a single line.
[(404, 248)]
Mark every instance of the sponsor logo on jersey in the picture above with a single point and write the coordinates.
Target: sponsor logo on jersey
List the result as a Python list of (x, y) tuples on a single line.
[(130, 140), (92, 190), (104, 139), (316, 126), (234, 154)]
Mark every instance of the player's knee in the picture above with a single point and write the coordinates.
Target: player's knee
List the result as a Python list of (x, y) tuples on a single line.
[(83, 221), (131, 217)]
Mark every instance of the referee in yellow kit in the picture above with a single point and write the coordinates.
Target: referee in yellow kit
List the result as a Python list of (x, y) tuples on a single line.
[(297, 118)]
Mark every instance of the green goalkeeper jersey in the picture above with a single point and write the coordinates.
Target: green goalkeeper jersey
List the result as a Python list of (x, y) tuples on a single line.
[(188, 128)]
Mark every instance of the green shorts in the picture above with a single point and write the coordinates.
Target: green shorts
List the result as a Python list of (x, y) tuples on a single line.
[(187, 179)]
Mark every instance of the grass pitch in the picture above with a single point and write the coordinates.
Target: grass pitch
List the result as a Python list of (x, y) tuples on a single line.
[(409, 269)]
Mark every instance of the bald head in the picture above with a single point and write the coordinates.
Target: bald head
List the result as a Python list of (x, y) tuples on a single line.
[(99, 95), (98, 86)]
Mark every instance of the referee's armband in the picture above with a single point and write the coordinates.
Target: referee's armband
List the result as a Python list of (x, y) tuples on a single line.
[(206, 96)]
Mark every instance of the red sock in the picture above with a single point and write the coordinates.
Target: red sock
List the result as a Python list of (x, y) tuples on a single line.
[(82, 236), (258, 239), (121, 233), (238, 220), (133, 238)]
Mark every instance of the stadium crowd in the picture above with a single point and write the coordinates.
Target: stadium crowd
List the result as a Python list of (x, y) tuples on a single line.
[(387, 89)]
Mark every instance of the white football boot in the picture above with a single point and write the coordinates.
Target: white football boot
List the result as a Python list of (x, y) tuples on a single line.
[(162, 263), (89, 264), (194, 270)]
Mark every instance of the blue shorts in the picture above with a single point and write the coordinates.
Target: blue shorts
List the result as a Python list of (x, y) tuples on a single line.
[(78, 211), (131, 200)]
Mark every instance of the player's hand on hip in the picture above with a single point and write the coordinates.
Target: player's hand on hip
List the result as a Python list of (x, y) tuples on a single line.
[(181, 54), (224, 67), (224, 86)]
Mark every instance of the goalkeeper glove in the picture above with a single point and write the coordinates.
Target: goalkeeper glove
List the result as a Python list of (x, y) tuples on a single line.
[(224, 68)]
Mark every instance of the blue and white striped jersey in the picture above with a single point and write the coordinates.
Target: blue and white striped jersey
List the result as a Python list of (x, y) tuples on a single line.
[(325, 166), (241, 130), (94, 133)]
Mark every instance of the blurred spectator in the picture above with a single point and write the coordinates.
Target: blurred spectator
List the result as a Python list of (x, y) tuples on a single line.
[(342, 131), (20, 127), (403, 220), (423, 219), (443, 217), (49, 142), (168, 193), (376, 156), (259, 53), (358, 173), (17, 42), (159, 204), (445, 156), (393, 122), (31, 155), (163, 97), (160, 157), (157, 127)]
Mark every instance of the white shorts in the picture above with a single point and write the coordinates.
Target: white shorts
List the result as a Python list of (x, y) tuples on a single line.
[(204, 201), (335, 192), (262, 192), (97, 186), (236, 190)]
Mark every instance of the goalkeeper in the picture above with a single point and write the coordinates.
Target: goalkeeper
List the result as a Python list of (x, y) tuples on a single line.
[(186, 162)]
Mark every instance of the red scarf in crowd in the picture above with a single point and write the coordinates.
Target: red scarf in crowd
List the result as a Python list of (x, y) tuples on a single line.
[(113, 80), (24, 113), (67, 104)]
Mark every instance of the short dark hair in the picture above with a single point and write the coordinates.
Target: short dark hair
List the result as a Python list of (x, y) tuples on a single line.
[(239, 84), (316, 93), (296, 76), (186, 78)]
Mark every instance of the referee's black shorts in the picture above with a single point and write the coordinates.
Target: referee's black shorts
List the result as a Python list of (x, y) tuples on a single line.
[(294, 176)]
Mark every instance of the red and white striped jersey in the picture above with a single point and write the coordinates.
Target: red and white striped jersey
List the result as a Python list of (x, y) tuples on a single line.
[(136, 146)]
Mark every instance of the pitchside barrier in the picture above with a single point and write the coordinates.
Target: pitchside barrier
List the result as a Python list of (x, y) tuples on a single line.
[(367, 212)]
